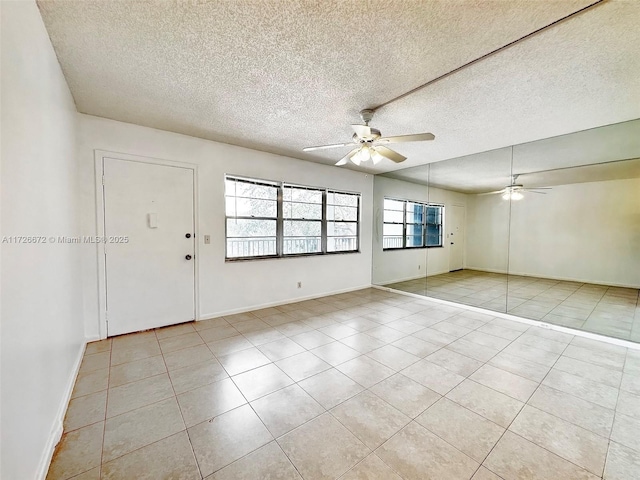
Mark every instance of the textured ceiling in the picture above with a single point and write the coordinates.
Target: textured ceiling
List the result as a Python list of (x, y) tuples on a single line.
[(278, 75), (598, 154)]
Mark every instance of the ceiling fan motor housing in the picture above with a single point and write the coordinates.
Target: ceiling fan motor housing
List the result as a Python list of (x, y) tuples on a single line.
[(372, 137)]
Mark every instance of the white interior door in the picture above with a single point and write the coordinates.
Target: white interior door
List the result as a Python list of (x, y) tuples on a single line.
[(455, 235), (150, 279)]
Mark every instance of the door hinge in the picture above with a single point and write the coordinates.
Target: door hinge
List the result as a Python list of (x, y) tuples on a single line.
[(102, 179)]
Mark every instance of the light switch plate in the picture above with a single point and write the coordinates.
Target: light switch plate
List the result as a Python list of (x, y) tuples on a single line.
[(207, 239)]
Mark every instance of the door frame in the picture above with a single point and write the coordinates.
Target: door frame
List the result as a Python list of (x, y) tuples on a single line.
[(463, 221), (99, 157)]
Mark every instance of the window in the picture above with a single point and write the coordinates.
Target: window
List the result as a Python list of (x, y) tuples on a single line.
[(302, 220), (433, 233), (342, 221), (271, 219), (408, 224), (393, 228), (414, 236), (252, 218)]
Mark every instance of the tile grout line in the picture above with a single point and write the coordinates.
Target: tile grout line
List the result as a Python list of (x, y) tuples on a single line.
[(106, 406), (175, 396), (511, 423), (540, 446), (615, 414)]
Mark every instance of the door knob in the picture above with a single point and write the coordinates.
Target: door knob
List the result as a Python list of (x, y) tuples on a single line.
[(188, 257), (188, 235)]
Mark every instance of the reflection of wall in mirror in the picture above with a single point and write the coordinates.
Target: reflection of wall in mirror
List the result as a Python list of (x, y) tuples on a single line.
[(587, 232)]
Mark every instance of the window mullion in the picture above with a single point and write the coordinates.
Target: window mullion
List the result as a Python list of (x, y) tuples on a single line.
[(358, 226), (280, 222), (404, 224), (324, 226), (425, 212)]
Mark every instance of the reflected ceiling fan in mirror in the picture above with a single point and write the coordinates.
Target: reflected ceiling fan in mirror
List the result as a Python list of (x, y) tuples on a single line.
[(370, 144), (515, 190)]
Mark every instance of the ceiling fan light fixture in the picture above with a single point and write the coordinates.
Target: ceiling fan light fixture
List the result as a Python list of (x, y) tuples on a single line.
[(512, 195), (376, 157), (363, 155)]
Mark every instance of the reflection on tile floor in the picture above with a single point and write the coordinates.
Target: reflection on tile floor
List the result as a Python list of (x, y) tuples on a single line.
[(369, 384), (611, 311)]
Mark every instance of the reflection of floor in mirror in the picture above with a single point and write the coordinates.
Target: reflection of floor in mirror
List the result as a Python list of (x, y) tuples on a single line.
[(612, 311)]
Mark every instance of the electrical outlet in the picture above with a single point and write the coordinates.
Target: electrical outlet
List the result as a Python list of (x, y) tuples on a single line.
[(207, 239), (299, 284)]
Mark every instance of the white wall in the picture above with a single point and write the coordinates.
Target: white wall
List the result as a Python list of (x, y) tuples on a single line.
[(233, 286), (397, 265), (42, 327), (487, 233), (438, 258), (589, 232)]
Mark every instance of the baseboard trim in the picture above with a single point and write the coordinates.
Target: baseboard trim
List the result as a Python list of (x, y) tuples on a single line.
[(233, 311), (528, 321), (487, 270), (406, 279), (58, 425), (403, 279)]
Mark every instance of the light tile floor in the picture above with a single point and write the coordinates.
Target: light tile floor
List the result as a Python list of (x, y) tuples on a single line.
[(363, 385), (611, 311)]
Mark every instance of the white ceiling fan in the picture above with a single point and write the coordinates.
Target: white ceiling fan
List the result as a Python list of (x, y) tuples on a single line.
[(515, 190), (370, 144)]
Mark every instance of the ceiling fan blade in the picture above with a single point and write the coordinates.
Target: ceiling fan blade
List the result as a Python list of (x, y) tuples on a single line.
[(362, 131), (323, 147), (537, 188), (347, 157), (533, 191), (390, 154), (418, 137)]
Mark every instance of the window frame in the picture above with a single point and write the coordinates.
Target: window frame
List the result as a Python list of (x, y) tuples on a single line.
[(321, 220), (404, 224), (277, 218), (280, 220), (325, 220), (441, 225)]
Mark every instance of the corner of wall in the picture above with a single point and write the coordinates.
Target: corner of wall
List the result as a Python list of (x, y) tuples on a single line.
[(58, 425)]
